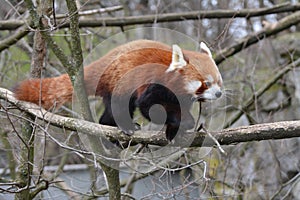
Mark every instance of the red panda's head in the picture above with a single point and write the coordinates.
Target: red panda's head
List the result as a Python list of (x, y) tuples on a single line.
[(202, 78)]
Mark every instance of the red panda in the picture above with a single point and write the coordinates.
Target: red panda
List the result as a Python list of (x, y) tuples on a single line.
[(141, 74)]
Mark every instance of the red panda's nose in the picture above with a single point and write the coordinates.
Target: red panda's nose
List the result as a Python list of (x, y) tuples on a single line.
[(218, 94)]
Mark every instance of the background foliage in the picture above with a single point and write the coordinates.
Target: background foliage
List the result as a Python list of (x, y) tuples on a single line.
[(253, 170)]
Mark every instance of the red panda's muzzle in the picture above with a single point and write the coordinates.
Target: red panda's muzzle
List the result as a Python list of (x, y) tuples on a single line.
[(206, 96)]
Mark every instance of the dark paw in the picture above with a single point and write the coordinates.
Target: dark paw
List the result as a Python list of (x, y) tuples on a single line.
[(128, 132)]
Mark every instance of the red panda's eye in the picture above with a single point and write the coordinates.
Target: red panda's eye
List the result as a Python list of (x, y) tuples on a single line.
[(207, 83)]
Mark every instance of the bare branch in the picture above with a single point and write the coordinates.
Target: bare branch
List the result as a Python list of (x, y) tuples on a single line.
[(75, 68), (267, 131), (273, 29), (260, 92), (95, 11), (15, 37), (169, 17)]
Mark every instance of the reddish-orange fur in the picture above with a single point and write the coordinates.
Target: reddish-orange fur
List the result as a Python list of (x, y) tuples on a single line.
[(104, 74), (48, 92), (140, 74)]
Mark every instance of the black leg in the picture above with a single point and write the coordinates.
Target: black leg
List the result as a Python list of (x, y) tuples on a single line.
[(122, 112), (154, 95), (145, 102), (118, 116), (174, 113), (178, 123), (171, 132), (107, 116)]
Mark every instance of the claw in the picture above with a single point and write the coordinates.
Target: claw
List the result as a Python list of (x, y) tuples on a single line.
[(128, 132), (137, 127)]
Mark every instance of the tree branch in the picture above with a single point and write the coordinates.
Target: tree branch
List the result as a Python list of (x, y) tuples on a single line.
[(248, 103), (75, 69), (267, 131), (15, 37), (268, 31), (169, 17), (92, 12)]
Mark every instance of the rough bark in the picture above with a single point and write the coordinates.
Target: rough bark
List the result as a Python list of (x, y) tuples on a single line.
[(267, 131)]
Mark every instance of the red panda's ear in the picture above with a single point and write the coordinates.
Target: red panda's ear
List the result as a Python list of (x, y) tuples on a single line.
[(205, 49), (178, 61)]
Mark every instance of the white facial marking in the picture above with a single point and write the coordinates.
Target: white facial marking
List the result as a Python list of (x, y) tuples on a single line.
[(211, 93), (178, 61), (193, 86), (204, 47)]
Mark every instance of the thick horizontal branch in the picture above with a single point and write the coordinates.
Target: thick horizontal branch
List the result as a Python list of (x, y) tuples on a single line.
[(169, 17), (267, 131)]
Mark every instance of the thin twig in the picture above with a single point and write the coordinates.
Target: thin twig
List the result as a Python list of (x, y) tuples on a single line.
[(285, 184), (214, 139), (248, 103), (249, 40), (198, 118)]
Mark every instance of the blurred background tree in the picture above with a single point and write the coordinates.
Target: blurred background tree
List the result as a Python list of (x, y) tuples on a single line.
[(253, 170)]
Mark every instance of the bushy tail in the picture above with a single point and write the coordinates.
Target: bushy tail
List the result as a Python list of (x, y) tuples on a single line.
[(48, 93)]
